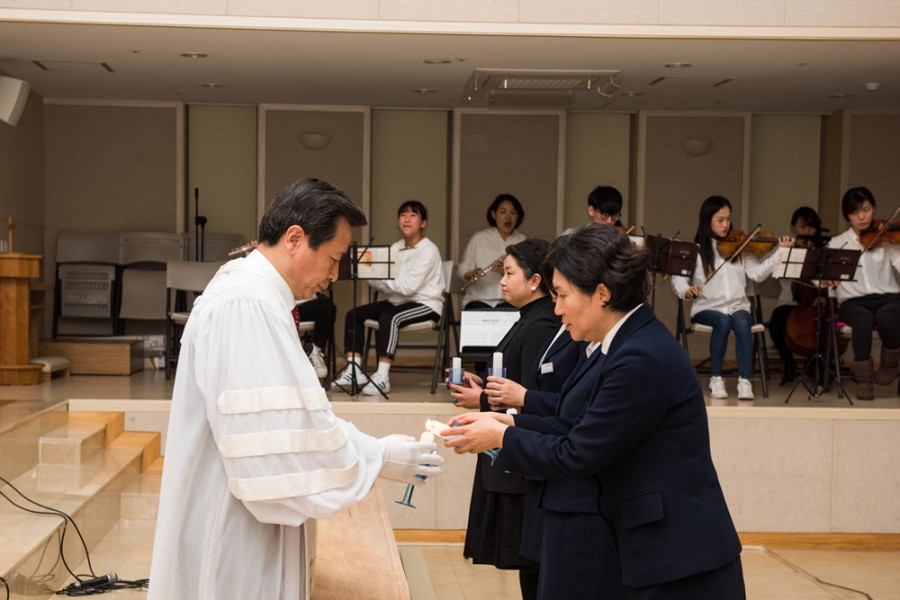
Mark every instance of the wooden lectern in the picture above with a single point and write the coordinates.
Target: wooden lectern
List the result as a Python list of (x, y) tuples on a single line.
[(16, 271)]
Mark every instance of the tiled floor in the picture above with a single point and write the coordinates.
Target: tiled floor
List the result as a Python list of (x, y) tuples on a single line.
[(771, 574)]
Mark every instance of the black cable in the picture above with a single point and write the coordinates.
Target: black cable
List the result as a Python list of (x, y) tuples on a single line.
[(796, 568), (73, 589)]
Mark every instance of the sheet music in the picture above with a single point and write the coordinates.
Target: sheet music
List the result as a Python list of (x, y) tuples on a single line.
[(485, 328), (376, 262), (790, 264)]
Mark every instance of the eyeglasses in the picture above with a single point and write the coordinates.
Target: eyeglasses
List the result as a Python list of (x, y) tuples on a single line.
[(609, 217)]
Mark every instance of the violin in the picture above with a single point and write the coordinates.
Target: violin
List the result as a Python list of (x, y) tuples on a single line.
[(243, 250), (879, 232), (758, 242)]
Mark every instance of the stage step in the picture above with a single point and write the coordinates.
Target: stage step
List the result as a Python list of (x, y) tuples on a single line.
[(86, 466)]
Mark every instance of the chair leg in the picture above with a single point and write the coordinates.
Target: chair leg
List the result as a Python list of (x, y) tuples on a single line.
[(440, 354), (760, 351), (368, 344)]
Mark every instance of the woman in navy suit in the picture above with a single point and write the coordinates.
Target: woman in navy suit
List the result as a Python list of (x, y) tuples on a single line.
[(494, 530), (646, 443)]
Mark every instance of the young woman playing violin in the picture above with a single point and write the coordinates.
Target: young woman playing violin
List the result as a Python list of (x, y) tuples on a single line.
[(873, 299), (718, 291), (805, 225)]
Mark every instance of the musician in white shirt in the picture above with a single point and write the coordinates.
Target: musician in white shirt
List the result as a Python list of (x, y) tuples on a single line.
[(872, 299), (254, 450), (482, 262)]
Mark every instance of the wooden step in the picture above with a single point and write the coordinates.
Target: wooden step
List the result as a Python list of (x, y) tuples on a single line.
[(113, 421), (146, 441)]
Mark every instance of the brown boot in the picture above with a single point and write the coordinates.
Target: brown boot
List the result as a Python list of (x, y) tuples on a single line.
[(887, 370), (863, 371)]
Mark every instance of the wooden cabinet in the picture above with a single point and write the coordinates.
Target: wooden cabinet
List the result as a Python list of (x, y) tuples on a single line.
[(16, 298)]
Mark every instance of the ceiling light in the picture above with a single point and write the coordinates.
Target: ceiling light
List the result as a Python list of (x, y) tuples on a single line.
[(873, 86), (631, 94), (437, 61), (193, 55), (212, 85), (424, 91), (678, 65), (840, 95), (315, 140)]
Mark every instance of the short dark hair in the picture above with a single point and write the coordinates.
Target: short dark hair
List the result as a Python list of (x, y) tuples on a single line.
[(595, 254), (605, 199), (414, 206), (316, 206), (854, 198), (529, 255), (500, 200), (809, 216)]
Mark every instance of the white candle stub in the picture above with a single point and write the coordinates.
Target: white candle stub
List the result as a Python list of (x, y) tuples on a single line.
[(498, 361), (457, 362), (426, 436)]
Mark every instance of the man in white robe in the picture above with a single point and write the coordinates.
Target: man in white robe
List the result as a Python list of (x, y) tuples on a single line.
[(254, 449)]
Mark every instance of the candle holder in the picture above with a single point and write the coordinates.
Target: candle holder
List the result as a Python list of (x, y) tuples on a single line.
[(496, 372), (407, 496)]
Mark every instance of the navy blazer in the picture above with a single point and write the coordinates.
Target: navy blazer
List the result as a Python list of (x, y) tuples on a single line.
[(561, 356), (646, 439)]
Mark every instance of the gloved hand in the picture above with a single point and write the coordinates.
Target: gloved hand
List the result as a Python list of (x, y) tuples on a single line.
[(405, 458)]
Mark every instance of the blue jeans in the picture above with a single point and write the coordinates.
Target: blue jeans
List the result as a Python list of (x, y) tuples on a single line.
[(722, 324)]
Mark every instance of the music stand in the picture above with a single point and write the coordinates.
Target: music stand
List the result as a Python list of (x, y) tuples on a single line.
[(669, 257), (370, 262), (817, 265)]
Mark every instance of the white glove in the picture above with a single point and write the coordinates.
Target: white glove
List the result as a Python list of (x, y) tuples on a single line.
[(408, 460)]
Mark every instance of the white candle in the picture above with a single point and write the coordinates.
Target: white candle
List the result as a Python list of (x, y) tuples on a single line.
[(498, 362), (457, 362), (426, 436)]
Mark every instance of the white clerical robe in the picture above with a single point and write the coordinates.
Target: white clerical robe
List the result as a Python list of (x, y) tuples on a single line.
[(253, 448)]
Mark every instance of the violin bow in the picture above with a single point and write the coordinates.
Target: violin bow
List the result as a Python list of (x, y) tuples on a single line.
[(882, 230)]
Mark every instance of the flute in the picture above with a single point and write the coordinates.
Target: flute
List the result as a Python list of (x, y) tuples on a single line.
[(483, 270)]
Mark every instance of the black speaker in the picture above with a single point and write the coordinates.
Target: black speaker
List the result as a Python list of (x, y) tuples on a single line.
[(13, 95)]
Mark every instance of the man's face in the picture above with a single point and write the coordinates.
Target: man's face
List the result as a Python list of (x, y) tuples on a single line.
[(312, 270), (602, 218)]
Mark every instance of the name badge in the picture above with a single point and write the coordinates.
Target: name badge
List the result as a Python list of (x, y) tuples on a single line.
[(546, 368)]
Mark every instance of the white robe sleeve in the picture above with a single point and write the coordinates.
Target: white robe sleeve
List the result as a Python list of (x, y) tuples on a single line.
[(286, 455)]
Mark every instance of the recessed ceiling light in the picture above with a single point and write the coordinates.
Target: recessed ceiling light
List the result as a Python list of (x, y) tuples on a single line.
[(193, 55), (212, 85), (437, 61), (840, 95), (631, 94), (873, 86), (678, 65), (424, 91)]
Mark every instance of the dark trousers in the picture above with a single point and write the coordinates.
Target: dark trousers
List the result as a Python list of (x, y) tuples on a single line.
[(390, 319), (778, 332), (865, 313), (323, 312)]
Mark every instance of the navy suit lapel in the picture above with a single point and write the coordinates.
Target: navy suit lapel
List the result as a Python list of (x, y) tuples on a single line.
[(576, 376)]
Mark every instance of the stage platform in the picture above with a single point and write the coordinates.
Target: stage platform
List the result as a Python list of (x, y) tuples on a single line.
[(814, 466)]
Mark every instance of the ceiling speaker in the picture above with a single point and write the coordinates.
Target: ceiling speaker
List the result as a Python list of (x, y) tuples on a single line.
[(13, 95)]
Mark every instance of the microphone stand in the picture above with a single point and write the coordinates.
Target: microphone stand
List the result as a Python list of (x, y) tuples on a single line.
[(199, 227)]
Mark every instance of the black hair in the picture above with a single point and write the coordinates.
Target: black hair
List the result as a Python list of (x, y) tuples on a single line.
[(529, 255), (500, 200), (605, 199), (316, 206), (413, 206), (595, 254), (705, 237), (854, 198), (809, 216)]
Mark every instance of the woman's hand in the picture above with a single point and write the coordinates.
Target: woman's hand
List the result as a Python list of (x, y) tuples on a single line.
[(504, 393), (693, 292), (786, 241), (477, 432), (497, 266), (467, 395), (475, 274)]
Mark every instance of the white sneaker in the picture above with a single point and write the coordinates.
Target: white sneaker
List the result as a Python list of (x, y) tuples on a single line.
[(345, 379), (318, 362), (376, 386), (717, 388), (745, 389)]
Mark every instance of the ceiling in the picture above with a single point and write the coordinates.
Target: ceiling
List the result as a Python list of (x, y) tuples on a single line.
[(253, 66)]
